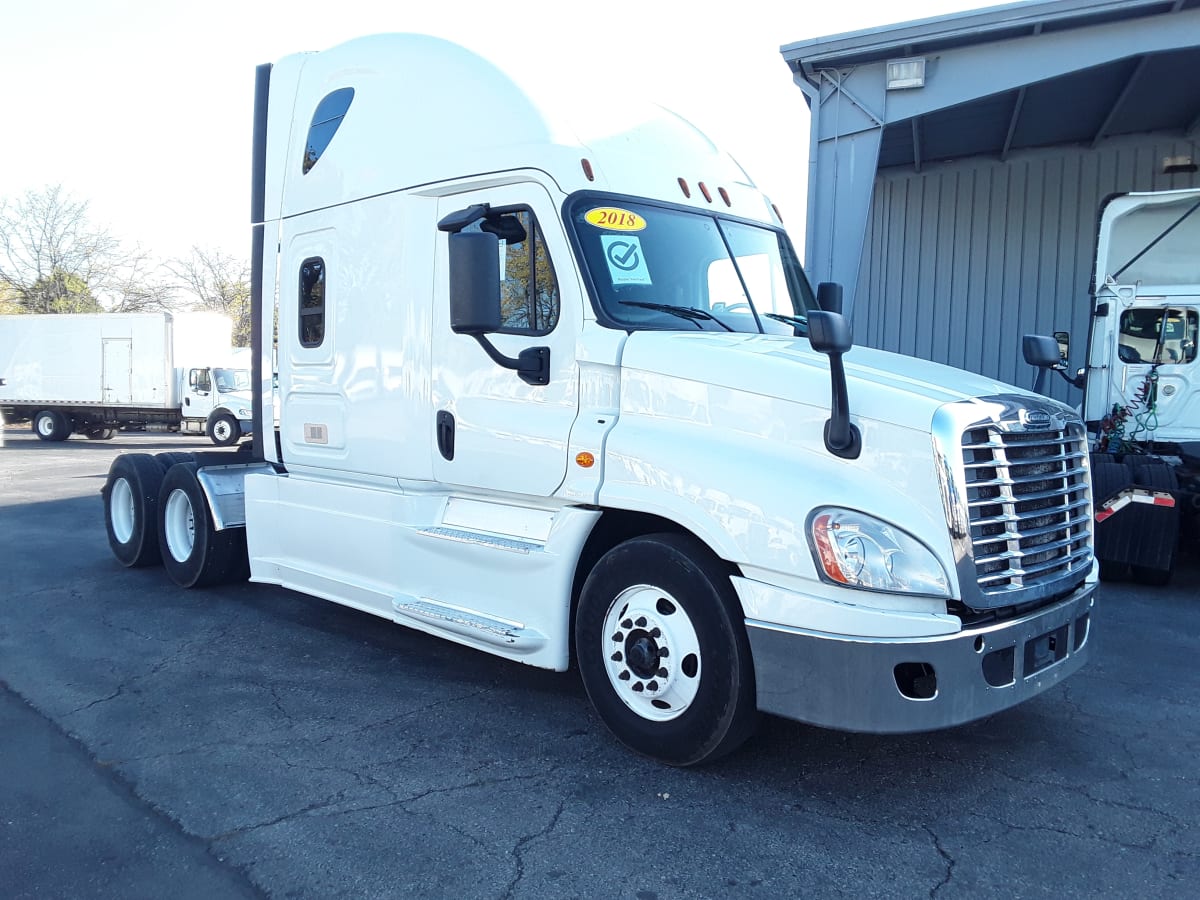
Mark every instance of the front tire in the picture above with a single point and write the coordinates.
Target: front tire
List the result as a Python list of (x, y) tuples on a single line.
[(663, 652), (194, 553), (131, 509), (51, 425), (223, 430)]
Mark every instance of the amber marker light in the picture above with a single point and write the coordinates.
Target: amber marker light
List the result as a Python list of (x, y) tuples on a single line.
[(585, 460), (724, 195), (683, 186), (704, 191), (829, 560), (587, 169)]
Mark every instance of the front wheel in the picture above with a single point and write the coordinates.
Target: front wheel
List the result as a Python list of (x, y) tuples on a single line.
[(223, 430), (663, 652)]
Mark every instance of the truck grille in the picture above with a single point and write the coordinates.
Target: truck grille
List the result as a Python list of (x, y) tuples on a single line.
[(1028, 505)]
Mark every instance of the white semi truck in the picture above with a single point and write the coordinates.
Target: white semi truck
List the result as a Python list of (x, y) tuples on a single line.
[(97, 374), (552, 384), (1141, 381)]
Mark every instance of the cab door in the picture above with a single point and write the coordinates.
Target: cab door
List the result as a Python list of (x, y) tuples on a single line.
[(493, 431), (199, 393)]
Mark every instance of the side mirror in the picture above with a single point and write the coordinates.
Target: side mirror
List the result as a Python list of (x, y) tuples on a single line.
[(1040, 351), (829, 296), (1064, 344), (828, 331), (474, 283), (475, 302)]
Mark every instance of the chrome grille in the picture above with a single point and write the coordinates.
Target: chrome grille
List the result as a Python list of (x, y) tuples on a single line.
[(1028, 505)]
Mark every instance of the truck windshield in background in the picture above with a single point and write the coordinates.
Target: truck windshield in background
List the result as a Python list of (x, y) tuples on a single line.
[(659, 267), (230, 380)]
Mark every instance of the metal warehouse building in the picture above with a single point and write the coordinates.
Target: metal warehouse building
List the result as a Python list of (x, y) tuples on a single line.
[(958, 165)]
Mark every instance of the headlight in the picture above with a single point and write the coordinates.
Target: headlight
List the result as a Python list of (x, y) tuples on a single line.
[(244, 414), (858, 550)]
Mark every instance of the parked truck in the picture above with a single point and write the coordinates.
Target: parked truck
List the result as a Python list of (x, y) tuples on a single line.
[(552, 384), (97, 374), (1141, 382)]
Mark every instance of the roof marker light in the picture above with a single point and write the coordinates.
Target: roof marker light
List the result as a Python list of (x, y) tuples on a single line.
[(704, 191), (683, 186), (724, 195), (587, 169)]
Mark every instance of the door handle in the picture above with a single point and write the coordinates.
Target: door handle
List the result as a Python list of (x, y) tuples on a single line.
[(445, 434)]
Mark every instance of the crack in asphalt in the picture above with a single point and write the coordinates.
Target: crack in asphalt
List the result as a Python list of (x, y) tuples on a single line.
[(518, 850), (946, 858)]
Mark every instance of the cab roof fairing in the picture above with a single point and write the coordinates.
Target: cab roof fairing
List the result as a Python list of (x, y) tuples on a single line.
[(426, 110)]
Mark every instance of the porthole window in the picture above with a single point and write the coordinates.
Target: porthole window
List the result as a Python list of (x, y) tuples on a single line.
[(325, 123), (312, 302)]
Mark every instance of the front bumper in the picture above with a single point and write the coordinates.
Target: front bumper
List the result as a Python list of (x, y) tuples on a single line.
[(896, 685)]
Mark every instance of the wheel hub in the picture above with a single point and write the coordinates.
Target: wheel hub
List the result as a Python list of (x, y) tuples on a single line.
[(641, 653)]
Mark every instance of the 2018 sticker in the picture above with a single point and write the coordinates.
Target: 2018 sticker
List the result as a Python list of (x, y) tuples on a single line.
[(614, 219)]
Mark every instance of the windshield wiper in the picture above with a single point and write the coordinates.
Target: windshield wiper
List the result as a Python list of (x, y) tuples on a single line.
[(794, 321), (691, 313)]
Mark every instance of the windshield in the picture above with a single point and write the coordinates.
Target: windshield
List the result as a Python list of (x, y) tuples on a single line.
[(657, 267), (1156, 244), (232, 379)]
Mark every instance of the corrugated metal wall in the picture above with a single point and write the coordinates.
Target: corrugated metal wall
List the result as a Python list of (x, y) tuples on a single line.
[(963, 258)]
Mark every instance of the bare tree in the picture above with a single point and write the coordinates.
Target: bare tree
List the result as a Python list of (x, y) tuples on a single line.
[(53, 259), (221, 283)]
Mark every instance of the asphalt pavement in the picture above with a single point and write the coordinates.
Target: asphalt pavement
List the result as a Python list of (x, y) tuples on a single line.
[(250, 741)]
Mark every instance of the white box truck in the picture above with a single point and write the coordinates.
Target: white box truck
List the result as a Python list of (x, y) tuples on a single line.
[(1141, 382), (97, 374), (552, 384)]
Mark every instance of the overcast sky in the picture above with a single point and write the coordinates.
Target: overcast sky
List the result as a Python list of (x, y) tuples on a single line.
[(143, 107)]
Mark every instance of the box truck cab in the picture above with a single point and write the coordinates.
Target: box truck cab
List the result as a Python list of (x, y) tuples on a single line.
[(552, 384)]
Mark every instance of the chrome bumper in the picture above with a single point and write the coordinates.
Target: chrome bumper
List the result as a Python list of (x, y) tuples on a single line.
[(896, 685)]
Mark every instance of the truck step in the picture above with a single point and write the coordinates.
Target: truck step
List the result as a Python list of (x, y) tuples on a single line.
[(510, 636), (498, 542)]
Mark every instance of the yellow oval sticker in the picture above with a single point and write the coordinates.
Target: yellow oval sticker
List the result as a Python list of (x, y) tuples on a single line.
[(614, 219)]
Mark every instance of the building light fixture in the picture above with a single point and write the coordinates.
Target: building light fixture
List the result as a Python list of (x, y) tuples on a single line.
[(906, 73)]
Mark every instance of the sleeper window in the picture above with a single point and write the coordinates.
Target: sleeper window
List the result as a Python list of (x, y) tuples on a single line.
[(312, 302)]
